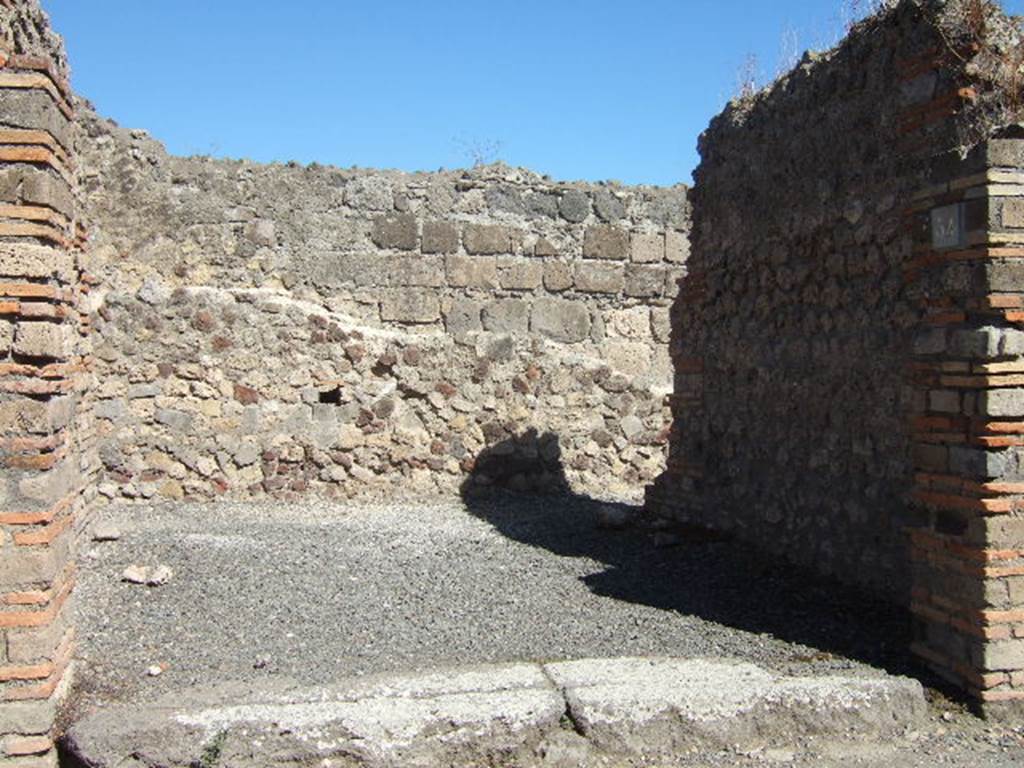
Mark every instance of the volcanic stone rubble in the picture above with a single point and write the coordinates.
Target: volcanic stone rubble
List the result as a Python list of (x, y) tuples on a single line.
[(279, 328)]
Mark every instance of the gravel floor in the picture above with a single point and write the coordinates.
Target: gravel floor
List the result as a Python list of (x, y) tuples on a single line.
[(315, 590)]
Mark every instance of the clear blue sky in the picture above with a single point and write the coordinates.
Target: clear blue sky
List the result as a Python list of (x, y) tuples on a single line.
[(578, 89)]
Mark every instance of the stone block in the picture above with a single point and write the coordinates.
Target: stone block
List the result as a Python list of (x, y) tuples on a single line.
[(486, 239), (44, 489), (976, 343), (397, 231), (541, 204), (930, 342), (506, 316), (471, 271), (34, 110), (28, 567), (410, 305), (6, 337), (1008, 655), (45, 340), (560, 320), (557, 275), (463, 316), (644, 281), (605, 241), (520, 274), (599, 278), (574, 205), (504, 199), (29, 718), (632, 323), (418, 271), (934, 458), (34, 645), (440, 237), (335, 270), (1011, 342), (1013, 213), (944, 401), (544, 247), (23, 260), (1016, 589), (40, 188), (35, 416), (677, 246), (10, 183), (646, 247), (1005, 276), (608, 206), (630, 357), (1001, 402), (673, 276), (661, 324), (976, 462)]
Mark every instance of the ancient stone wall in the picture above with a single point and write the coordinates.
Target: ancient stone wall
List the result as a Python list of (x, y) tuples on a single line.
[(277, 328), (45, 423), (828, 388)]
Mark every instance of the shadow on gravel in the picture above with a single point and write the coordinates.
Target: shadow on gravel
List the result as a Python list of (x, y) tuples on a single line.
[(519, 487)]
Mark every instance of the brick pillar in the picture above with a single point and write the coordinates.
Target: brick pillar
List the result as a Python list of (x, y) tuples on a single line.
[(968, 371), (43, 377)]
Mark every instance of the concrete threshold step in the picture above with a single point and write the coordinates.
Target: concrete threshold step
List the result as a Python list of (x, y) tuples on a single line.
[(578, 713)]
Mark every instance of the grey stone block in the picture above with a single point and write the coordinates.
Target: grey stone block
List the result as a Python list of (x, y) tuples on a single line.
[(677, 246), (471, 271), (35, 110), (486, 239), (418, 271), (335, 270), (574, 205), (976, 343), (28, 718), (440, 237), (45, 340), (930, 342), (39, 188), (599, 278), (557, 275), (1012, 342), (1008, 655), (506, 316), (1001, 402), (1005, 276), (462, 317), (560, 320), (644, 281), (944, 401), (604, 241), (979, 462), (6, 337), (410, 305), (397, 231), (607, 206), (542, 204), (504, 199), (520, 274), (647, 247)]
